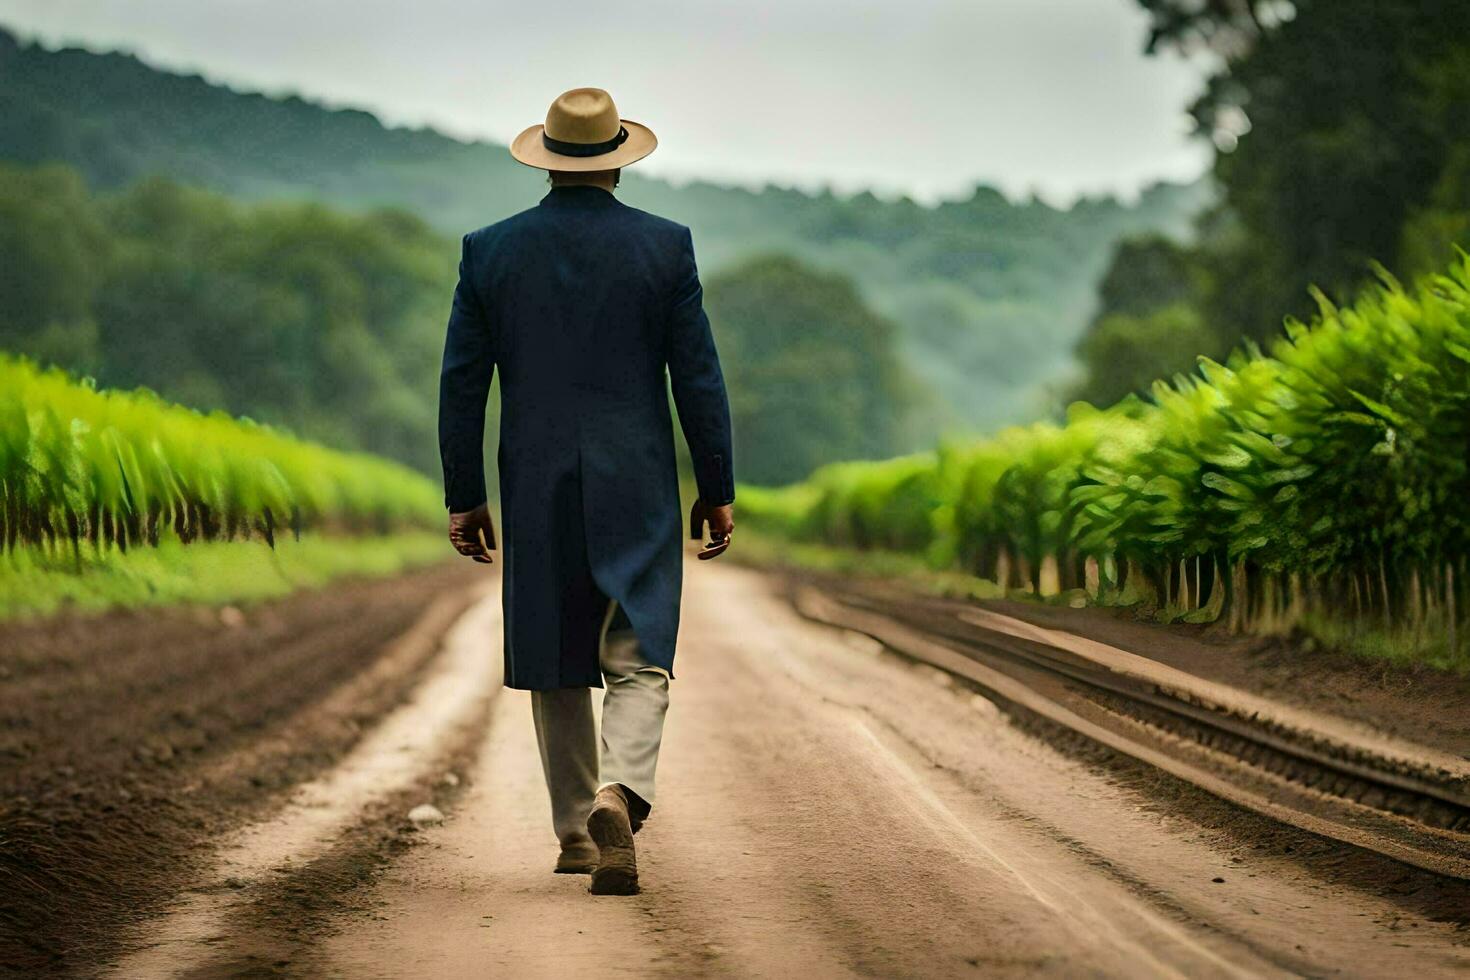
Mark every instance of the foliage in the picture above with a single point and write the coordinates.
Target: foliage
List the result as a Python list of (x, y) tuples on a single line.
[(1147, 273), (332, 324), (1342, 130), (987, 295), (1435, 228), (116, 468), (1228, 26), (1337, 120), (51, 241), (1329, 475), (812, 372), (1126, 352), (292, 314), (1147, 323)]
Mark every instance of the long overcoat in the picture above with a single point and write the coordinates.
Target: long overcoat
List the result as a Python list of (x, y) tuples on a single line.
[(591, 310)]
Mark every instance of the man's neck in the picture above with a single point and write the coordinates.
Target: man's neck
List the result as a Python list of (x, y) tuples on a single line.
[(605, 181)]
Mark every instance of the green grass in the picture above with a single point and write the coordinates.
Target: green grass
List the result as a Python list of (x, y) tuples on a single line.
[(1404, 648), (761, 550), (34, 583)]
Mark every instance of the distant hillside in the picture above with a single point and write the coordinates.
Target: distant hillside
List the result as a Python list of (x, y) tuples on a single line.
[(989, 296), (331, 324)]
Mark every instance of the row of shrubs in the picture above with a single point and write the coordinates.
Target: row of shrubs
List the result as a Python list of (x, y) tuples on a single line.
[(119, 468), (1326, 477)]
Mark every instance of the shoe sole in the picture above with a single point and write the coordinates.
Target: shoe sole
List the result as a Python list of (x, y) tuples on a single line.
[(617, 870)]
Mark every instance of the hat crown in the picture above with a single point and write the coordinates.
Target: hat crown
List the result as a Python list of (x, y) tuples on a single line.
[(582, 115)]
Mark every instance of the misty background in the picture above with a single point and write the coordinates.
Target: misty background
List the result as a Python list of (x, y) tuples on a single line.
[(915, 222), (922, 98)]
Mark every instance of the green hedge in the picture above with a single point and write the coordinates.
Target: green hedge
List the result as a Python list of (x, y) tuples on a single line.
[(1326, 477), (120, 468)]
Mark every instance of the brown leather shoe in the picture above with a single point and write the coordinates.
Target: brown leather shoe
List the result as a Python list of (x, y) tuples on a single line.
[(612, 829), (577, 858)]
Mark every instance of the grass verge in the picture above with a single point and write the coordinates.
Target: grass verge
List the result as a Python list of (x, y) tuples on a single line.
[(1405, 647), (769, 551), (35, 583)]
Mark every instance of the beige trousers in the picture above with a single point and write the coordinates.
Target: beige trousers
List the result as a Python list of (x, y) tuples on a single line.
[(633, 707)]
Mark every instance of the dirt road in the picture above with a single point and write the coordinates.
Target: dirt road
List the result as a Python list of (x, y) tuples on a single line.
[(131, 741), (826, 810)]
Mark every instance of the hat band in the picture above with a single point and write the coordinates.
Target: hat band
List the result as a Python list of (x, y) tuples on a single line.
[(584, 149)]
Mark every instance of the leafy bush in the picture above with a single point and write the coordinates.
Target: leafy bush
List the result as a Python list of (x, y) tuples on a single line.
[(1328, 477), (123, 467)]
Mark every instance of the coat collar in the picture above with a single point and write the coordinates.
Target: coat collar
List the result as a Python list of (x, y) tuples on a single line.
[(579, 195)]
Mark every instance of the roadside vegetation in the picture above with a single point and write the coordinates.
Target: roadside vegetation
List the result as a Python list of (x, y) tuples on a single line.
[(34, 582), (89, 479), (1324, 163), (1318, 485)]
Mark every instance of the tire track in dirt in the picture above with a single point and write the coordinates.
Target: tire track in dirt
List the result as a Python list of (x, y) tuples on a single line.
[(851, 845), (130, 740), (411, 741)]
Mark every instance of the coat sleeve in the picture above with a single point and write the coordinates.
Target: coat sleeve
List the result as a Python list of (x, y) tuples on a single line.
[(464, 385), (698, 383)]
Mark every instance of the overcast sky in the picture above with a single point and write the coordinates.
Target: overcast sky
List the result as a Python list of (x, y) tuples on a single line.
[(918, 96)]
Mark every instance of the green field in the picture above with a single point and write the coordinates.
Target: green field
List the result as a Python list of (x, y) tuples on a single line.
[(122, 499), (86, 468)]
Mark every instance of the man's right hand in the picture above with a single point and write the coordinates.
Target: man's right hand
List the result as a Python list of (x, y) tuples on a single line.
[(721, 521)]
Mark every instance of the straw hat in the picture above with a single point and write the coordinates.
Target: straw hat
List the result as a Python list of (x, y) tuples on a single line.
[(583, 132)]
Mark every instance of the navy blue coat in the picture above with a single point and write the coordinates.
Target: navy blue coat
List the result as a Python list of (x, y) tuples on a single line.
[(589, 308)]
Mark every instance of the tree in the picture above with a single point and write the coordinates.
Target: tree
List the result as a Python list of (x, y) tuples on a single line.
[(53, 249), (1126, 352), (1146, 326), (812, 372), (1342, 130), (1336, 121), (1147, 273), (328, 324)]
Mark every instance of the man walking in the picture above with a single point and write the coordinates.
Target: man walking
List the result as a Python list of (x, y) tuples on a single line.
[(584, 303)]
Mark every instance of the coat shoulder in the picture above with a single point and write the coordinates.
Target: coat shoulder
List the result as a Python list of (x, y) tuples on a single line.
[(670, 235), (482, 238), (657, 225)]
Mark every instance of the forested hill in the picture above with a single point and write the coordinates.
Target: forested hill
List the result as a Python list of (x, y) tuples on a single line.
[(989, 295)]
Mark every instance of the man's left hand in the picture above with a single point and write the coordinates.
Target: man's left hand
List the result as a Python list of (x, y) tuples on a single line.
[(472, 533)]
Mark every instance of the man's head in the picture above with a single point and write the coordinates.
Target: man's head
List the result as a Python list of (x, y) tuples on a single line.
[(583, 140)]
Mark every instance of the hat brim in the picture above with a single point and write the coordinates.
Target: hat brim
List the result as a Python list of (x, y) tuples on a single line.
[(527, 148)]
